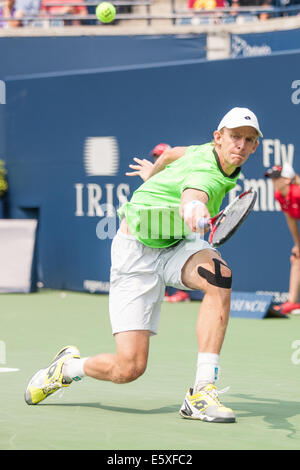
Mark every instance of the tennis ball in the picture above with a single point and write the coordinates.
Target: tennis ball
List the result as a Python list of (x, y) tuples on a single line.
[(105, 12)]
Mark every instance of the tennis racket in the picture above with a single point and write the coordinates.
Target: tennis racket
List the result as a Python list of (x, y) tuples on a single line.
[(226, 223)]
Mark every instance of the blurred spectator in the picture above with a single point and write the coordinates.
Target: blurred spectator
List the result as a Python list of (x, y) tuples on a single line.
[(235, 4), (287, 193), (206, 4), (266, 4), (54, 8), (30, 8), (250, 3), (288, 4), (3, 181), (3, 187), (8, 10), (159, 150), (18, 9)]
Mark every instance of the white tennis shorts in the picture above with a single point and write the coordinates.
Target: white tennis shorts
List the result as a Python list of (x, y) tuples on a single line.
[(138, 279)]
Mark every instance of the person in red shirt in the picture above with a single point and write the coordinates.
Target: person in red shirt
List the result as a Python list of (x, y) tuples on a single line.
[(55, 8), (206, 4), (287, 193), (179, 295)]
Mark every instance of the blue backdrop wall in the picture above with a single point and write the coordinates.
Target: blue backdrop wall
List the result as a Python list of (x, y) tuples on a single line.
[(266, 43), (69, 138), (28, 55)]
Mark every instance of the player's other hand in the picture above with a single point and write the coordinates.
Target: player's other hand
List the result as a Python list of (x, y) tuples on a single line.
[(142, 168)]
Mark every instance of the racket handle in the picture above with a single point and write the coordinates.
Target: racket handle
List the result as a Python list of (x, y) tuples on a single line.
[(204, 222)]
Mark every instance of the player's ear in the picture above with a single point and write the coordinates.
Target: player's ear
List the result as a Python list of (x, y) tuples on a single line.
[(255, 145), (217, 136)]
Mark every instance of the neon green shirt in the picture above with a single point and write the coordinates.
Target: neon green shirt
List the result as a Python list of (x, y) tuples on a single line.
[(152, 213)]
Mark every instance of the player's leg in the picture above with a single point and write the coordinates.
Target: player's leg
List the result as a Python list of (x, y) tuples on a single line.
[(135, 297), (127, 364), (206, 271), (136, 294), (203, 269), (50, 379)]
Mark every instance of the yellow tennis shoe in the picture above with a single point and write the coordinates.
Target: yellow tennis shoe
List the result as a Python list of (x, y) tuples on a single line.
[(206, 406), (47, 381)]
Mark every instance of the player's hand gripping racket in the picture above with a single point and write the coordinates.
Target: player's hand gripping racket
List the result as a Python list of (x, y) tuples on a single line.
[(226, 223)]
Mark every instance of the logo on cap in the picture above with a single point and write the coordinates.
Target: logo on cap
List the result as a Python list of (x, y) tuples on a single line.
[(247, 117)]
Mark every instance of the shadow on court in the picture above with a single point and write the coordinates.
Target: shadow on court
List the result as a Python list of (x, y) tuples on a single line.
[(274, 412), (119, 409)]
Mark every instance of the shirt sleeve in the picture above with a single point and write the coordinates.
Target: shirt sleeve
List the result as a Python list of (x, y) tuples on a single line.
[(203, 181)]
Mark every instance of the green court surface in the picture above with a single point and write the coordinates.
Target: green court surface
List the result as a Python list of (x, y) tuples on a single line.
[(256, 362)]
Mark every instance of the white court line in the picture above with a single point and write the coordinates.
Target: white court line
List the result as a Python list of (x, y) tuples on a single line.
[(8, 369)]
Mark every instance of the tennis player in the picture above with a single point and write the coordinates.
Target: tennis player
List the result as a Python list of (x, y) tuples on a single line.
[(179, 295), (287, 193), (146, 257)]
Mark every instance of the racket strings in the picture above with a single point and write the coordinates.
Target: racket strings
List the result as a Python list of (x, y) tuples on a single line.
[(231, 220)]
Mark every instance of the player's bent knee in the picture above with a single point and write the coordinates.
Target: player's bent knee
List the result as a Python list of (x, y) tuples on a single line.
[(129, 372), (221, 277)]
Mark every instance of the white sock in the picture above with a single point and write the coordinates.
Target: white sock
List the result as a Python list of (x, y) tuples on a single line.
[(73, 368), (207, 370)]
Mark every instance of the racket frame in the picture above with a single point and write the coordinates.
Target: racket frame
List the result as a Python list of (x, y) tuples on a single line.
[(215, 222)]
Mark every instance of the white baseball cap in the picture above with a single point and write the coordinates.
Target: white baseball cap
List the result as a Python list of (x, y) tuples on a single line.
[(239, 117)]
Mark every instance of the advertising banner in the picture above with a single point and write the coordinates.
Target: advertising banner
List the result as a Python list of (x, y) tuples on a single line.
[(69, 139)]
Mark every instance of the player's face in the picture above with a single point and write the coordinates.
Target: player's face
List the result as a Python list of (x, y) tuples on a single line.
[(234, 146)]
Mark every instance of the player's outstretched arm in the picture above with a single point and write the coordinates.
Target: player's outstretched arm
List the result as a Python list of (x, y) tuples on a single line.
[(145, 169), (193, 208)]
